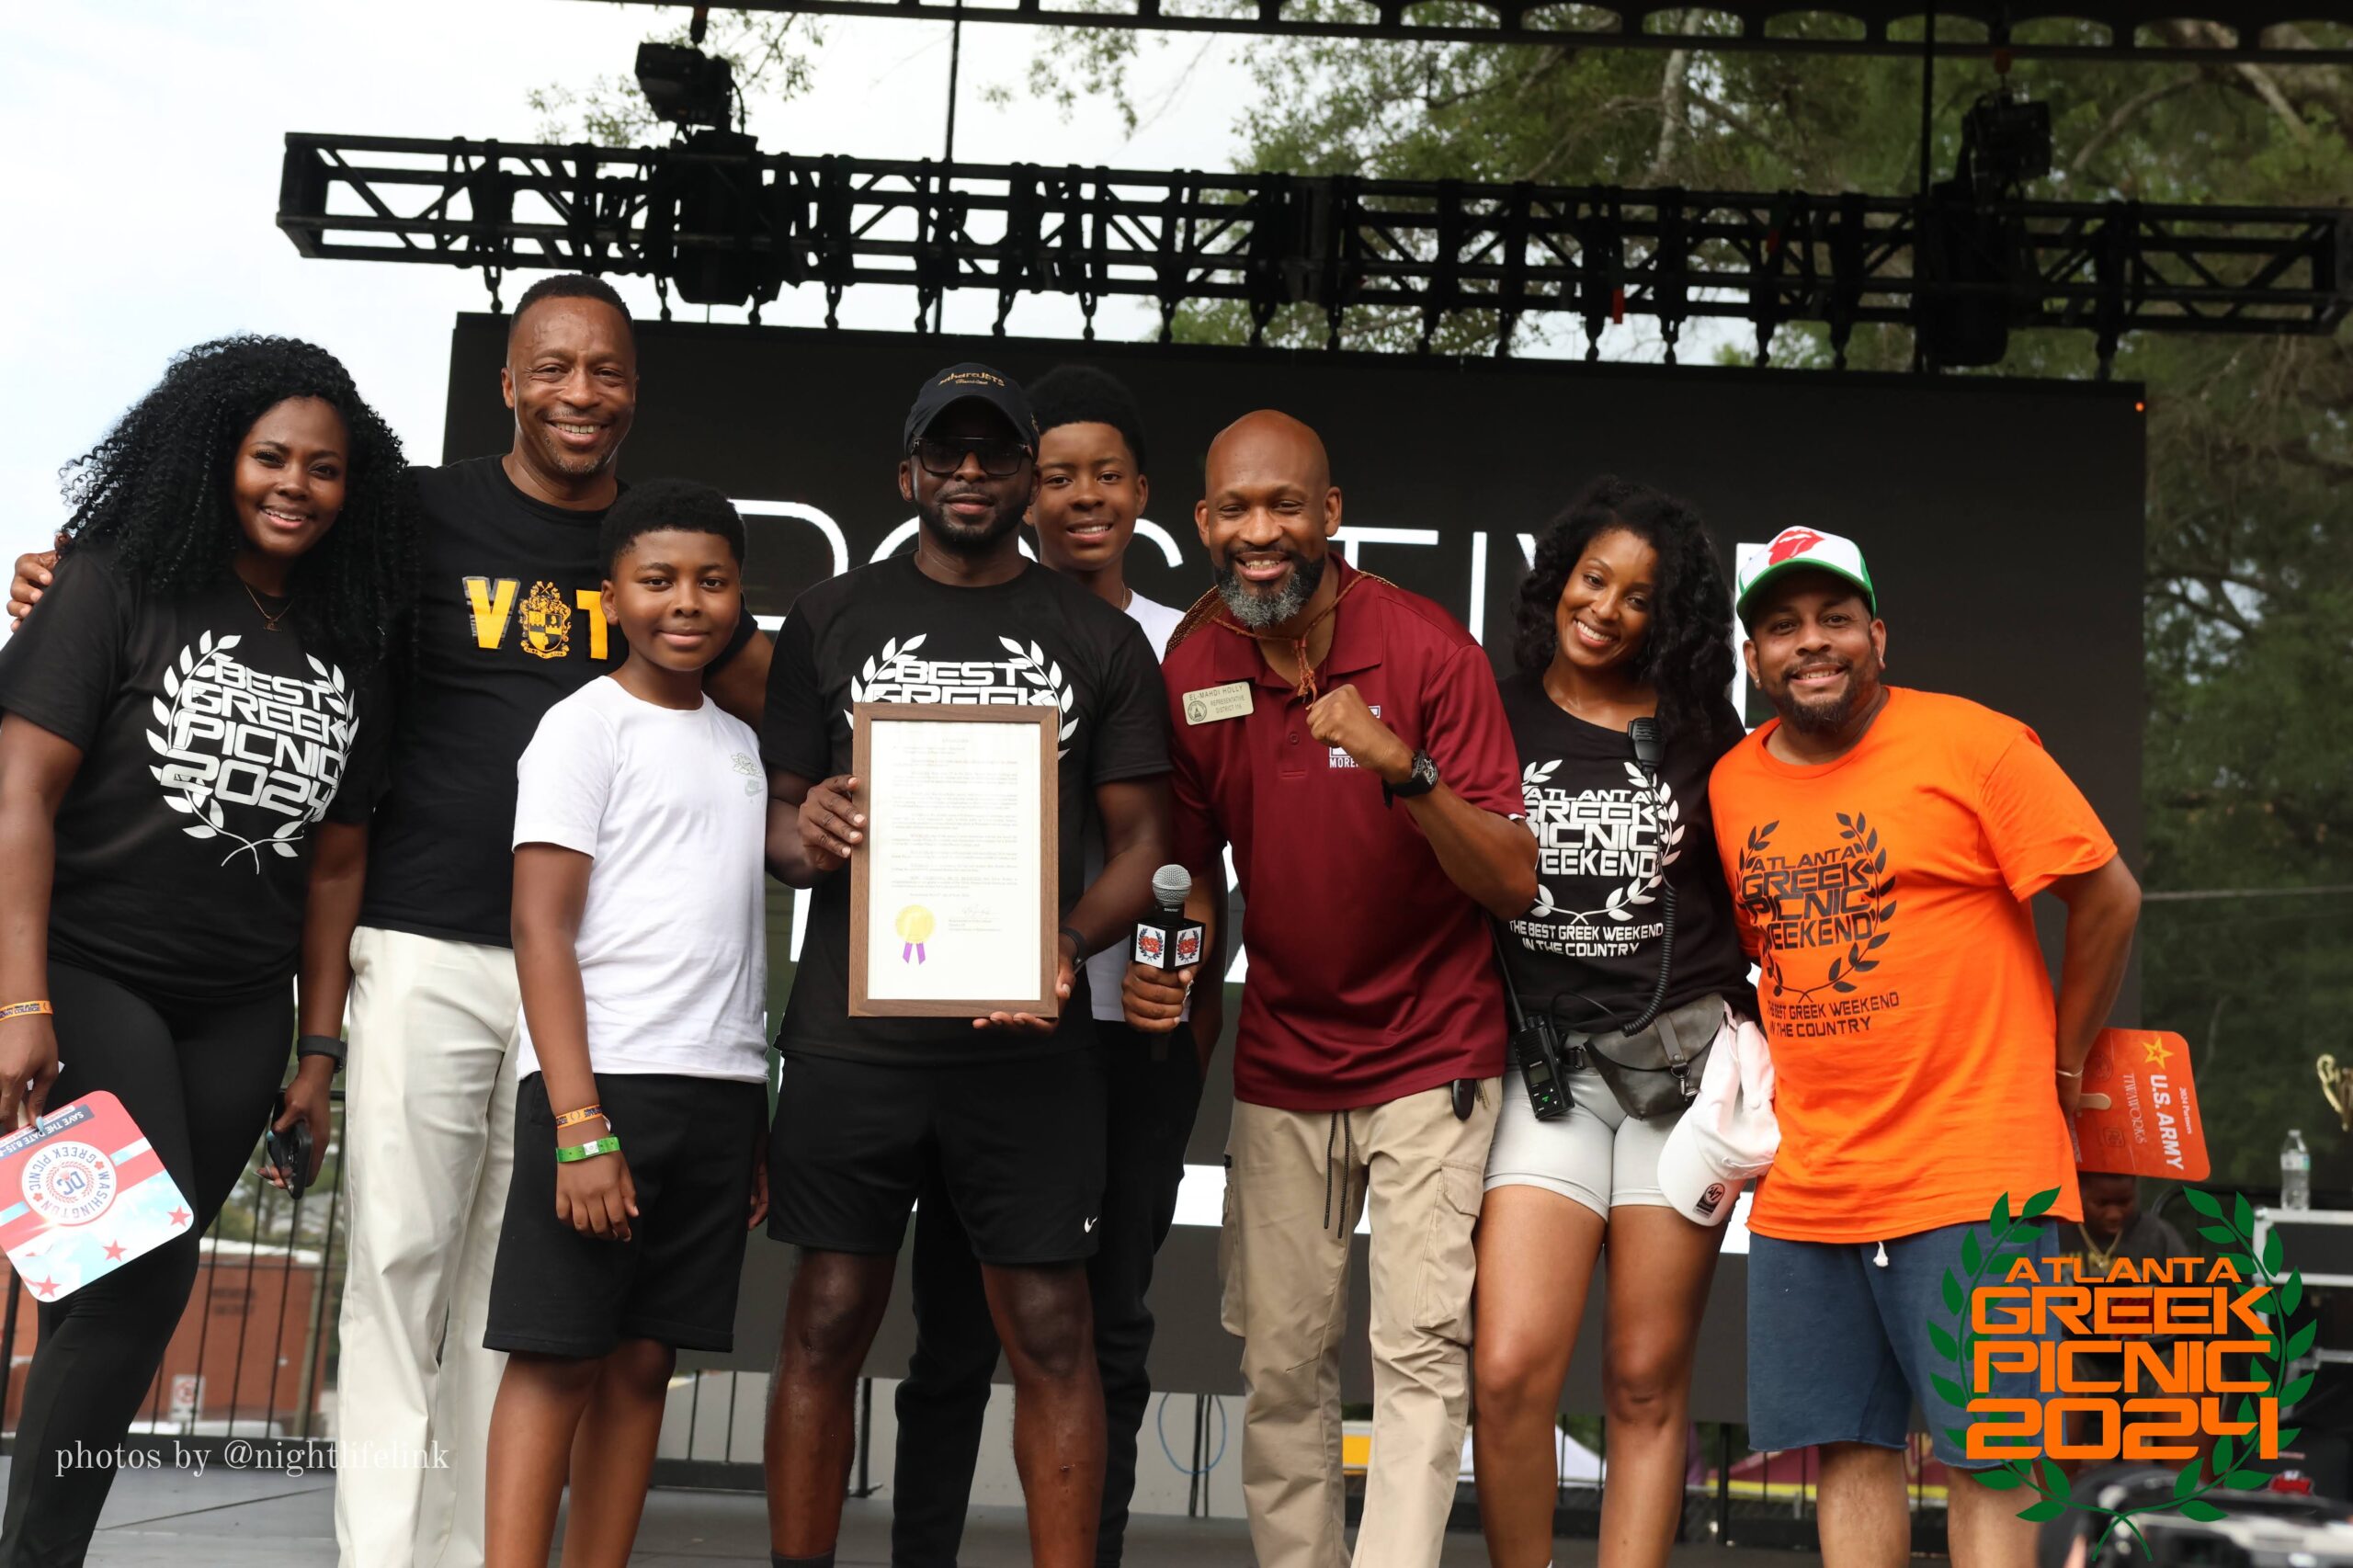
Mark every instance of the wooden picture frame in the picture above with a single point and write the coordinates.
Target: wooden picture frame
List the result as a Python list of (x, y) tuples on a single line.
[(972, 870)]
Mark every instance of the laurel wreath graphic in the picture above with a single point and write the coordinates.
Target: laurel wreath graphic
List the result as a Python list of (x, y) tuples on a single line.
[(2009, 1237), (190, 798), (1642, 888), (1033, 666), (1031, 663), (1857, 960), (880, 669)]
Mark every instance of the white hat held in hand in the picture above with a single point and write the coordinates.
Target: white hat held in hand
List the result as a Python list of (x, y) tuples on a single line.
[(1728, 1136)]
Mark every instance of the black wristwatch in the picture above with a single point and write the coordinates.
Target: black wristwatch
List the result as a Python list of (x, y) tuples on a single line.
[(1421, 780)]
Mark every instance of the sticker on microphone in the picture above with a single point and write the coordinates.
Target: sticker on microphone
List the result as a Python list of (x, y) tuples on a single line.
[(1188, 947), (1148, 946), (1212, 703)]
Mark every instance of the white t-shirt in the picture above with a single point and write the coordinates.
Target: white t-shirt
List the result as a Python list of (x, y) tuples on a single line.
[(1108, 968), (672, 807)]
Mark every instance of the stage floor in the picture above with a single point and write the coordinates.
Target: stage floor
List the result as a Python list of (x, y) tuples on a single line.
[(234, 1519)]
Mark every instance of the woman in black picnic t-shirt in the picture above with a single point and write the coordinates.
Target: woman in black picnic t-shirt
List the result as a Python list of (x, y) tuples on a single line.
[(1624, 616), (186, 765)]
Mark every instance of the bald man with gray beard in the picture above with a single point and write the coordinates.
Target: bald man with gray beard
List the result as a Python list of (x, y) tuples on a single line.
[(1347, 739)]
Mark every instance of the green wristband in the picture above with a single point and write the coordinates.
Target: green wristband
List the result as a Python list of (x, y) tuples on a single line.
[(605, 1145)]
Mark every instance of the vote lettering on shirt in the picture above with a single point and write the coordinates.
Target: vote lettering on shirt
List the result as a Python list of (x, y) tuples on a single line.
[(543, 627)]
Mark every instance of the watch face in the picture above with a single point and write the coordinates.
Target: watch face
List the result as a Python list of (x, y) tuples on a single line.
[(1424, 771)]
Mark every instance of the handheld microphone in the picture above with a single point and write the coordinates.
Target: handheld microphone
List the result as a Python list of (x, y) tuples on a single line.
[(1169, 940)]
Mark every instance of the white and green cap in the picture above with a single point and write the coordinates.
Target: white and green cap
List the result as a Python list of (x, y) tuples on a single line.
[(1802, 548)]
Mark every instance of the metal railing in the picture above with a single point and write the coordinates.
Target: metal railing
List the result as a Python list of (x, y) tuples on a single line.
[(254, 1358)]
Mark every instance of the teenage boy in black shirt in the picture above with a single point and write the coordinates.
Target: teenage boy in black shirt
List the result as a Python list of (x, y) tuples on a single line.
[(1091, 491), (509, 621), (1007, 1111)]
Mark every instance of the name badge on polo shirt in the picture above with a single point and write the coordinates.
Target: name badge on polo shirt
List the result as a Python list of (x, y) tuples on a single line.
[(1212, 703)]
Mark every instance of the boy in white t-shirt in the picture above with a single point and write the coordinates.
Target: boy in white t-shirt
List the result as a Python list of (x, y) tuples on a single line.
[(640, 1125), (1091, 492)]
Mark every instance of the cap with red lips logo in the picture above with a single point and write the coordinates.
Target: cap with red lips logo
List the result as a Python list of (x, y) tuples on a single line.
[(1803, 549)]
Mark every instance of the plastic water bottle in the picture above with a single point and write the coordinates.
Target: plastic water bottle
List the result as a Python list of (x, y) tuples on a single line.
[(2295, 1172)]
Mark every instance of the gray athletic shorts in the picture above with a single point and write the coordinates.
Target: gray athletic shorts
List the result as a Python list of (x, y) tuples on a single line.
[(1596, 1155)]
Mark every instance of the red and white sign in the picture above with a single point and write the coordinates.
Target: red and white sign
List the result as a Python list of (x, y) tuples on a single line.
[(83, 1194)]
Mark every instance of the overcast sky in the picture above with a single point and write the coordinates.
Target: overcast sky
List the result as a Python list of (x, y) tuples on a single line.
[(143, 143)]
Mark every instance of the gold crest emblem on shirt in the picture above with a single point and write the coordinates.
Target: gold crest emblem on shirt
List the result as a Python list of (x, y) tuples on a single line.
[(547, 623)]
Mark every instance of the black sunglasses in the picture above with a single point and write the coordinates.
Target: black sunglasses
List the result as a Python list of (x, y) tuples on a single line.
[(941, 456)]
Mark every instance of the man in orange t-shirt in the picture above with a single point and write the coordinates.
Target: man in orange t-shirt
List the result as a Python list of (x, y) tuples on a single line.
[(1883, 846)]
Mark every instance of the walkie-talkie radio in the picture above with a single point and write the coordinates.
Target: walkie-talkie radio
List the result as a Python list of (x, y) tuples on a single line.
[(1535, 1047)]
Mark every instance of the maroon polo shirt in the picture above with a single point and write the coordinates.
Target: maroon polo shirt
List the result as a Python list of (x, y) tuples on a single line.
[(1372, 975)]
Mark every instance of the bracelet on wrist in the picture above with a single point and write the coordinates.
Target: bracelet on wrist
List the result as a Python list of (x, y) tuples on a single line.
[(586, 1113), (1077, 944), (608, 1144), (25, 1010), (327, 1045), (2064, 1073)]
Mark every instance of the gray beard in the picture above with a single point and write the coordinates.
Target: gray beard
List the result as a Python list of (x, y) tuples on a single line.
[(1259, 611)]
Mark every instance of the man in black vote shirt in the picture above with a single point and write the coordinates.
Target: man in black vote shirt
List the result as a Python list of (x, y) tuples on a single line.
[(509, 621), (1008, 1110)]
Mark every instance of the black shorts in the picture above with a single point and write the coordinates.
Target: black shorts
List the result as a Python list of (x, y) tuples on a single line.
[(1018, 1145), (690, 1143)]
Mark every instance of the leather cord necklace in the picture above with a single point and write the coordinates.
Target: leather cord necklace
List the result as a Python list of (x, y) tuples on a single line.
[(1305, 685)]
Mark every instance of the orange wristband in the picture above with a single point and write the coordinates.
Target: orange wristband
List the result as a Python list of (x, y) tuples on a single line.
[(574, 1118), (25, 1010)]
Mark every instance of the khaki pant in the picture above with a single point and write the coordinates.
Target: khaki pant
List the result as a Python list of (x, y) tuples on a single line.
[(429, 1148), (1297, 1183)]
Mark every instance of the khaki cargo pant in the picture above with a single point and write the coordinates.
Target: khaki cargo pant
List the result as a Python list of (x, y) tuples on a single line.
[(1297, 1182)]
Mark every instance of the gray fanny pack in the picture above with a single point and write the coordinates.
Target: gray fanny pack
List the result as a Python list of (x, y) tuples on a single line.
[(1655, 1070)]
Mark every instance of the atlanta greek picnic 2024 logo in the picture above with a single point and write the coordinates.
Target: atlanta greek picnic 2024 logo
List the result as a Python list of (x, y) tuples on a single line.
[(2139, 1364)]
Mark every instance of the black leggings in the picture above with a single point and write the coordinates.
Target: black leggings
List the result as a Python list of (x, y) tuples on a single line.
[(200, 1083)]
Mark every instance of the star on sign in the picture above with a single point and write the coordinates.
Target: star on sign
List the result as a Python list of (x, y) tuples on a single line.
[(114, 1251), (177, 1216), (2155, 1053), (44, 1287)]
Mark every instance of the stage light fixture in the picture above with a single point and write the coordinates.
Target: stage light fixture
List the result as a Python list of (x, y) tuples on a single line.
[(685, 87), (708, 216), (2006, 142)]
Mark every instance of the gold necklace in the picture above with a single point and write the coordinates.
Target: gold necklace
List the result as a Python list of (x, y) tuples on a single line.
[(268, 621), (2103, 1261)]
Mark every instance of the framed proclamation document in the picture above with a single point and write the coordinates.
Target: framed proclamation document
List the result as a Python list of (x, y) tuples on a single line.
[(954, 896)]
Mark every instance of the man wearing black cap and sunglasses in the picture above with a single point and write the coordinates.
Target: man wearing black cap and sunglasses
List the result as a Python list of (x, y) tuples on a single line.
[(1007, 1109)]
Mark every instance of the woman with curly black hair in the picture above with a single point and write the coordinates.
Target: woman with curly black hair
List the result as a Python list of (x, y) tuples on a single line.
[(1621, 708), (186, 759)]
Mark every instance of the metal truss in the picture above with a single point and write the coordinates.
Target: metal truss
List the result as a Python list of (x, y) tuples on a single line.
[(2049, 29), (736, 225)]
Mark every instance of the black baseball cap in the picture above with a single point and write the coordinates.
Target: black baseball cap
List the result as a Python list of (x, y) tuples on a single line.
[(976, 384)]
